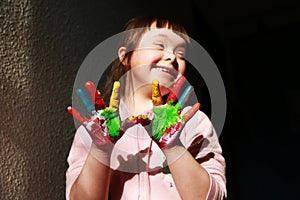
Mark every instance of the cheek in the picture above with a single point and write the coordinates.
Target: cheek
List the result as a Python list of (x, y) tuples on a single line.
[(147, 57), (182, 67)]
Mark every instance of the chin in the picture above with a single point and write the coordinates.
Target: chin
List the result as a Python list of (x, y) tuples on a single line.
[(165, 81), (166, 84)]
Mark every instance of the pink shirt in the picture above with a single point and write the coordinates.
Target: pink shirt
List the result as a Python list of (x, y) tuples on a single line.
[(132, 176)]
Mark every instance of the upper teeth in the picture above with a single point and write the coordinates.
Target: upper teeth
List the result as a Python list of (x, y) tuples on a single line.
[(163, 69)]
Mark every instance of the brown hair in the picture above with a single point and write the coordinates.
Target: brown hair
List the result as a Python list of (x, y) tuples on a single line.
[(131, 40)]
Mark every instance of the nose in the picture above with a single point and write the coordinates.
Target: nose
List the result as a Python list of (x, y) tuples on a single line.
[(170, 57)]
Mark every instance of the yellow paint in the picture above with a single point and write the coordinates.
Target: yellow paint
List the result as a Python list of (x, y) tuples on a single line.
[(156, 96), (114, 98)]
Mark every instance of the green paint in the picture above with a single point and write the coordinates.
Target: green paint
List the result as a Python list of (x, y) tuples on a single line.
[(112, 120), (164, 117)]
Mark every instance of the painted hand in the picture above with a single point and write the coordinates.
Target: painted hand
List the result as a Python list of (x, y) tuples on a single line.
[(167, 122), (103, 123)]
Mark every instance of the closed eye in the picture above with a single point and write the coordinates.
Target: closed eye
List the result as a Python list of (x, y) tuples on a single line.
[(160, 45), (180, 54)]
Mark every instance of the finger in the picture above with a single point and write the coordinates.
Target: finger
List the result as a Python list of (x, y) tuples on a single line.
[(95, 95), (176, 89), (114, 98), (185, 95), (91, 88), (156, 96), (77, 115), (89, 106), (191, 112)]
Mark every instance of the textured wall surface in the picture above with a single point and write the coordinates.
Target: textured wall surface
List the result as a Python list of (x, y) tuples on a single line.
[(33, 142)]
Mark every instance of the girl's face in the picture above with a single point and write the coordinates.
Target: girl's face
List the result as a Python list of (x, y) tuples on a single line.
[(159, 55)]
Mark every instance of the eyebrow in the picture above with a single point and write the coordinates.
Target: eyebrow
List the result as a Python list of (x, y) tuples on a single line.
[(161, 35)]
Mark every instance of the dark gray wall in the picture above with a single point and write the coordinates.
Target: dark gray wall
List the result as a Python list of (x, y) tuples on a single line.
[(255, 45)]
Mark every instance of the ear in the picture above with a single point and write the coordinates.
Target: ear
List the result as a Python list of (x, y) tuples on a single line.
[(121, 54)]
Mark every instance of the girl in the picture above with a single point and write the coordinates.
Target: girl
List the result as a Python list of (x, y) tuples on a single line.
[(115, 157)]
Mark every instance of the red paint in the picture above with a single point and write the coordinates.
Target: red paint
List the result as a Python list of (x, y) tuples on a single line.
[(95, 95), (76, 115), (176, 89)]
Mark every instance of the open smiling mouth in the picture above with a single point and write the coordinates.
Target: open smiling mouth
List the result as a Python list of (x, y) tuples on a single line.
[(167, 70)]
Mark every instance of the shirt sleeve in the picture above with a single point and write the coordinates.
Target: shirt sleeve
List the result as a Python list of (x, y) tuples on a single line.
[(201, 140), (77, 157)]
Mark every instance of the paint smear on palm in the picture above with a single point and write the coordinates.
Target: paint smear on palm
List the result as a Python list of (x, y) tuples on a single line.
[(165, 117)]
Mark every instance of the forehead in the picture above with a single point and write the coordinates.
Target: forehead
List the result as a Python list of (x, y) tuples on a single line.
[(162, 33)]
